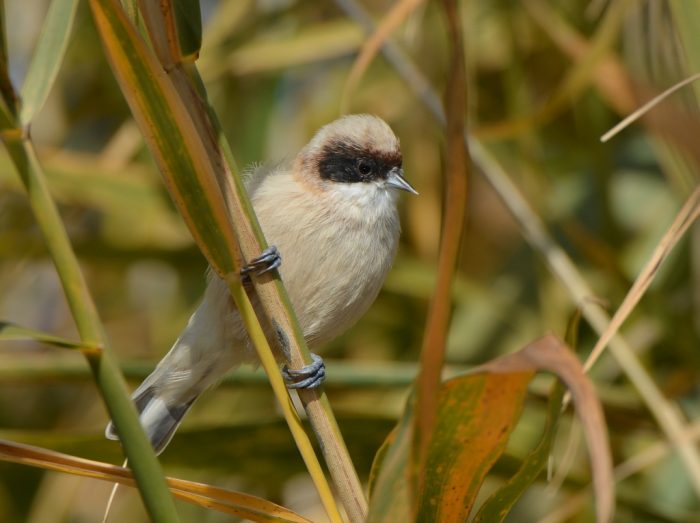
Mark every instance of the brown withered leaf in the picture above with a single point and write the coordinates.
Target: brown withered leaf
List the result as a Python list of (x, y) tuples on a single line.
[(475, 415)]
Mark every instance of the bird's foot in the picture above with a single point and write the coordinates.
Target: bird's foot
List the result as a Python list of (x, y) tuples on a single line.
[(269, 260), (308, 377)]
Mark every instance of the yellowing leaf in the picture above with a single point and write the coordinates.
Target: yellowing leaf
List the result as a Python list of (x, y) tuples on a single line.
[(497, 506), (475, 417), (171, 134), (476, 414), (227, 501)]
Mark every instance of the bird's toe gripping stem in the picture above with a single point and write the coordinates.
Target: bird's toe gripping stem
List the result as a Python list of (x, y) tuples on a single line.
[(309, 377), (270, 259)]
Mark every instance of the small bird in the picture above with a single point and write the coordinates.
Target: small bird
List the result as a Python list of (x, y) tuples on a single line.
[(332, 216)]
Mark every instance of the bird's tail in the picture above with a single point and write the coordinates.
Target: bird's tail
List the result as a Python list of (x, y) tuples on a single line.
[(159, 420), (198, 359)]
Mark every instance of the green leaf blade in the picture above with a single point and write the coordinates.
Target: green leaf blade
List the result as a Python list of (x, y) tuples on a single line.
[(188, 18), (13, 332), (169, 129), (48, 57), (388, 487)]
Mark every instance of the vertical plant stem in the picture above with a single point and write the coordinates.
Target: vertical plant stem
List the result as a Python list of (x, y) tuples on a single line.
[(106, 373), (267, 359), (456, 168), (175, 132), (79, 300), (277, 306), (270, 291)]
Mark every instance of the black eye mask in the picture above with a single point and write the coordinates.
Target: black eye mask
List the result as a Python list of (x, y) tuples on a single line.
[(350, 163)]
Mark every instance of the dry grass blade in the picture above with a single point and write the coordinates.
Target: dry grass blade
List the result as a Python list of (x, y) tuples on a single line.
[(552, 355), (647, 106), (609, 75), (685, 218), (648, 457), (373, 45), (112, 497), (235, 503)]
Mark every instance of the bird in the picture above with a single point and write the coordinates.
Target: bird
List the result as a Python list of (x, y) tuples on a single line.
[(332, 222)]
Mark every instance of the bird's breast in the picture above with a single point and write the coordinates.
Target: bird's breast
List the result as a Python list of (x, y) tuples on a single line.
[(335, 254)]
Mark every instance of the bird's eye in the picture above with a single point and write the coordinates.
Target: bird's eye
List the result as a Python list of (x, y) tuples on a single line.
[(364, 167)]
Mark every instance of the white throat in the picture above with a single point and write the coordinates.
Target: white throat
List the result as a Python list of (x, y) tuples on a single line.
[(368, 200)]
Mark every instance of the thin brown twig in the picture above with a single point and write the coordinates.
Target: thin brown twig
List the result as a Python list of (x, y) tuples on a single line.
[(372, 46), (456, 168)]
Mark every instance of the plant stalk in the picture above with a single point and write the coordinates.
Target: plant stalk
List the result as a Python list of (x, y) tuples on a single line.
[(106, 373), (440, 311), (270, 291)]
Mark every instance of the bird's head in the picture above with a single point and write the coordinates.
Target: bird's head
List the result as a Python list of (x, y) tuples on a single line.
[(354, 155)]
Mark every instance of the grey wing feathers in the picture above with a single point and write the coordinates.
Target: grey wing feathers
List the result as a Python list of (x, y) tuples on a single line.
[(158, 419)]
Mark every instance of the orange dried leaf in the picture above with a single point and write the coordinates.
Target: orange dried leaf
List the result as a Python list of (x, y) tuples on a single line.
[(475, 416), (552, 355), (209, 496)]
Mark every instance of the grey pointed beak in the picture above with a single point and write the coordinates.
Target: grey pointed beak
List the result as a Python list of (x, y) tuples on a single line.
[(396, 180)]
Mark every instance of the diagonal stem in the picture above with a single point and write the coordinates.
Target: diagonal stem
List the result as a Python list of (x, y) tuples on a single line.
[(270, 291), (105, 370)]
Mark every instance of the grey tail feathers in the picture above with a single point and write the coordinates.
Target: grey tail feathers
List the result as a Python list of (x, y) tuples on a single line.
[(159, 420)]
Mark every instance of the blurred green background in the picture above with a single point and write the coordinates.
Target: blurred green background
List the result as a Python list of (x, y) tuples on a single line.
[(275, 71)]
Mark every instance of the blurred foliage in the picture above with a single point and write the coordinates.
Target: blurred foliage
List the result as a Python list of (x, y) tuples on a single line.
[(275, 71)]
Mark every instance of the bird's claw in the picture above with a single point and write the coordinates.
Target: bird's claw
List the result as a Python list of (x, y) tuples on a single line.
[(269, 260), (308, 377)]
